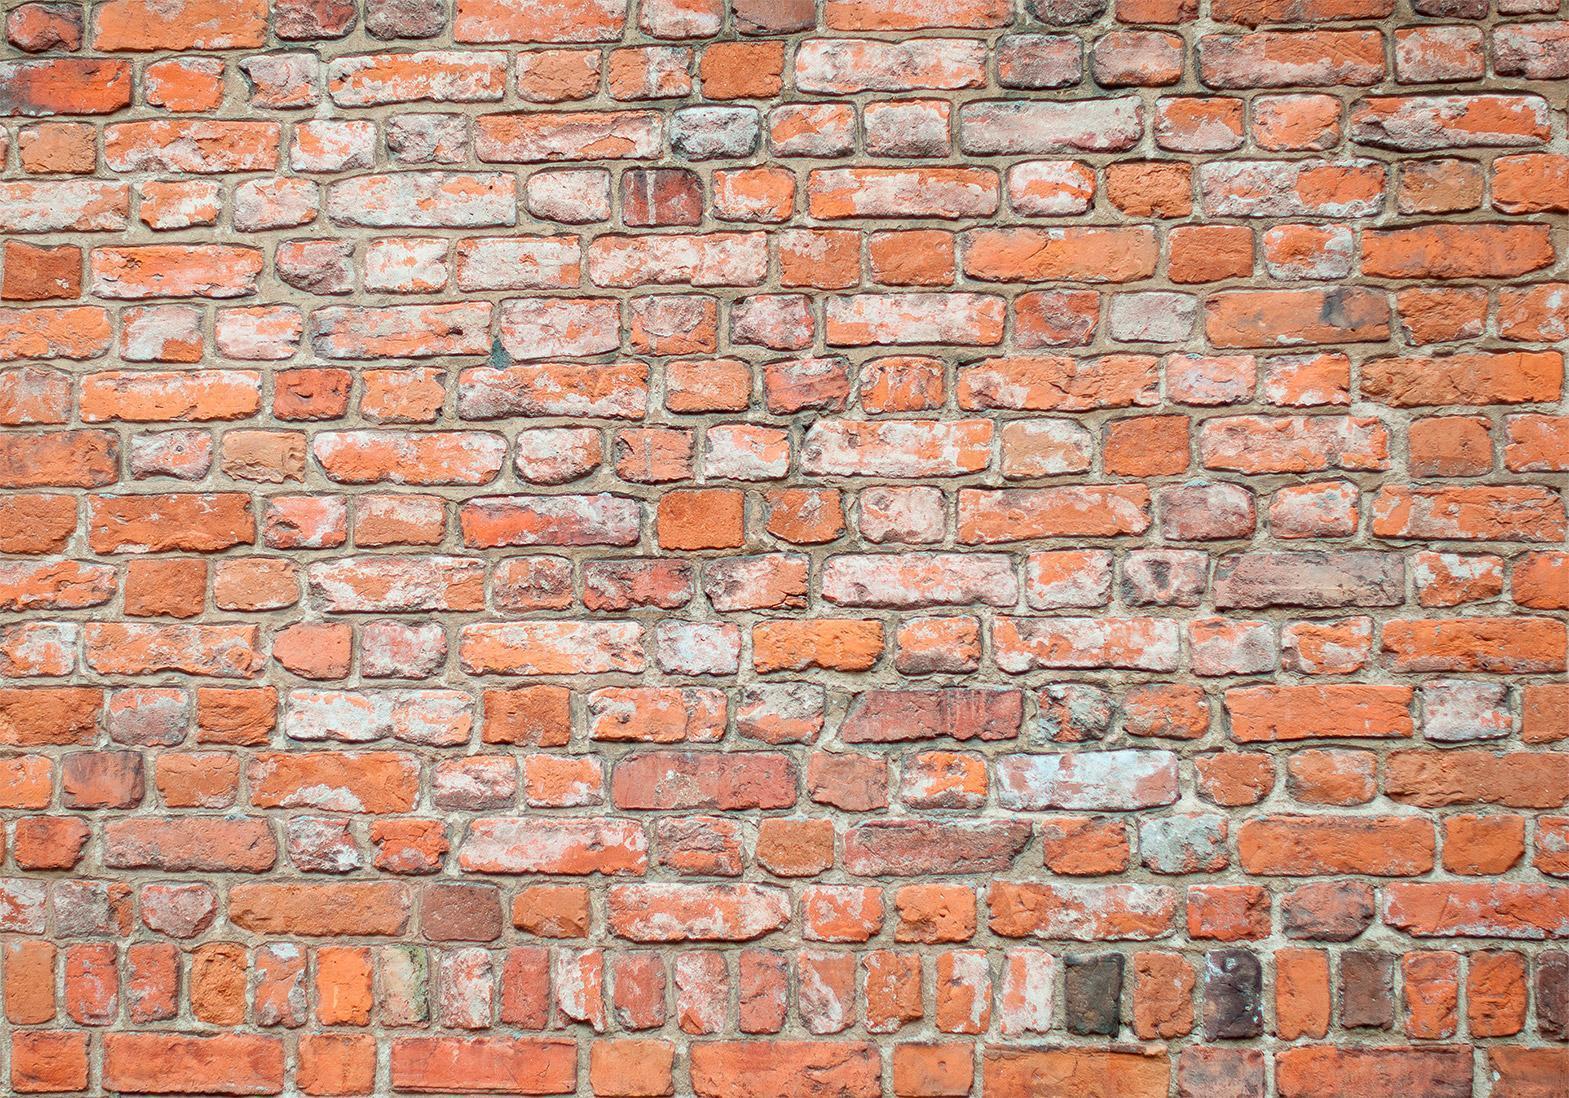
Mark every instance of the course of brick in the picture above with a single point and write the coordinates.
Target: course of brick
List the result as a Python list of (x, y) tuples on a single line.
[(818, 548)]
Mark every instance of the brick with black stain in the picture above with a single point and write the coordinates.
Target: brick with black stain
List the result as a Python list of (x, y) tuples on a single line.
[(1092, 998), (1233, 987)]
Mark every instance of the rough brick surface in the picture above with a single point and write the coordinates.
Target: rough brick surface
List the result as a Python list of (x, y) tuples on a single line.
[(817, 548)]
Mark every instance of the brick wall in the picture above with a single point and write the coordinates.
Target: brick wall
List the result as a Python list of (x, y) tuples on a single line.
[(828, 548)]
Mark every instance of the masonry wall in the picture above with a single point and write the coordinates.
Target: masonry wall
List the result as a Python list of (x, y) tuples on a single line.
[(828, 549)]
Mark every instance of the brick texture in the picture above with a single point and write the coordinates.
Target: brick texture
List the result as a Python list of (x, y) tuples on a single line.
[(816, 548)]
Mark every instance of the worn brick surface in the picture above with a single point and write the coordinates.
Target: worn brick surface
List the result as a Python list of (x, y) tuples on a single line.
[(817, 548)]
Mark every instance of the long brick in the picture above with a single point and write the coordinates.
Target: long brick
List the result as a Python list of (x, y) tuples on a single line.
[(172, 1063), (514, 1065), (1390, 846), (1089, 912), (1273, 713)]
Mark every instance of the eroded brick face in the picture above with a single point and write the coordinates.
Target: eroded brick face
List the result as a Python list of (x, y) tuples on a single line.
[(744, 548)]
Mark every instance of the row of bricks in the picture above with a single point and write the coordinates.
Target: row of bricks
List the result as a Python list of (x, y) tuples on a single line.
[(783, 713), (1053, 579), (793, 712), (905, 383), (1454, 709), (786, 713), (141, 26), (1139, 446), (177, 587), (906, 449), (673, 325), (215, 521), (740, 257), (530, 329), (1352, 58), (1001, 385), (33, 524), (1526, 184), (652, 913), (340, 1064), (1491, 645), (1144, 994), (784, 847), (1451, 446), (1422, 54), (986, 128)]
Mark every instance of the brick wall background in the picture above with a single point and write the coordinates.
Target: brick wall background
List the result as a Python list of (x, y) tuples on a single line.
[(829, 548)]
